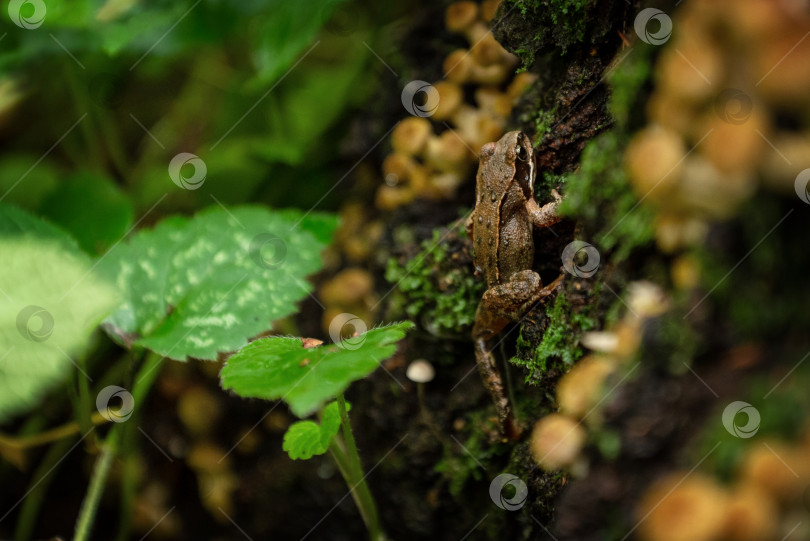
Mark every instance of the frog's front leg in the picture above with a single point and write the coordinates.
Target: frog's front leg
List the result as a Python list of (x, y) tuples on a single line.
[(500, 305), (547, 214)]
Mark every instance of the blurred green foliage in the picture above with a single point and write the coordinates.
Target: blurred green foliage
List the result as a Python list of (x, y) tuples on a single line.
[(51, 306), (251, 87), (95, 102), (98, 96)]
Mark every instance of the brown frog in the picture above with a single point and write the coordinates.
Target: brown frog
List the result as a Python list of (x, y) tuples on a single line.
[(501, 229)]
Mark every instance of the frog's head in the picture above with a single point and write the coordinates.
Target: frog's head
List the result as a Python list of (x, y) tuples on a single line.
[(510, 159), (520, 153)]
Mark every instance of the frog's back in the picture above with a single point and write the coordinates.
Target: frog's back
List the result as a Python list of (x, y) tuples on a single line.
[(492, 183)]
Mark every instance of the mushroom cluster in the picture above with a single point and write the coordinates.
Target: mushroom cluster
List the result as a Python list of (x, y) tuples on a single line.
[(432, 154), (557, 439), (766, 500), (431, 158), (729, 113), (351, 290)]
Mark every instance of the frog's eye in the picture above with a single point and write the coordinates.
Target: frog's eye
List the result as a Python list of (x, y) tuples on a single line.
[(521, 153)]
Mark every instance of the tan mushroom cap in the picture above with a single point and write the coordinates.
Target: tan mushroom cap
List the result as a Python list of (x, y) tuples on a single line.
[(579, 390), (682, 507), (460, 16), (410, 135), (556, 441), (654, 162), (751, 515)]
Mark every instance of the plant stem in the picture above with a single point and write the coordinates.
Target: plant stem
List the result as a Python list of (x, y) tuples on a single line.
[(40, 482), (87, 514), (352, 471), (49, 436), (94, 150), (128, 482), (143, 383)]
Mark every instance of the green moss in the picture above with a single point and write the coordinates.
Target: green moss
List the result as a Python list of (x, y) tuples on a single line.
[(434, 289), (627, 82), (560, 343), (545, 183), (460, 465), (600, 195), (543, 120), (526, 59), (568, 20)]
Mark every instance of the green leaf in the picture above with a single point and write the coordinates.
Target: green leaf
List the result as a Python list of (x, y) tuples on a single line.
[(284, 34), (199, 286), (280, 367), (307, 438), (92, 208), (51, 304)]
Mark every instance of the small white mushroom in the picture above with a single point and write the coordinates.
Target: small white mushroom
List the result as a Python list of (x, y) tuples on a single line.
[(420, 371), (601, 341)]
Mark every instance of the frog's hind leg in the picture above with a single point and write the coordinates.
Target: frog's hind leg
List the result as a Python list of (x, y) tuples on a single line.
[(514, 298), (501, 304), (491, 377)]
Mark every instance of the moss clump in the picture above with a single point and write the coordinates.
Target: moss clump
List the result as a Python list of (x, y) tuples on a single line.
[(568, 20), (599, 193), (459, 465), (435, 287), (627, 84), (526, 57), (543, 121), (545, 183), (560, 343)]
